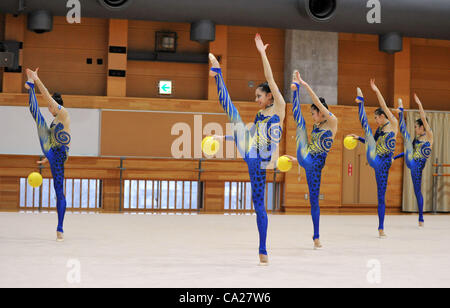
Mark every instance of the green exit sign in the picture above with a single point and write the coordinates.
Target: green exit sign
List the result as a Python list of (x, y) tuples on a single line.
[(165, 87)]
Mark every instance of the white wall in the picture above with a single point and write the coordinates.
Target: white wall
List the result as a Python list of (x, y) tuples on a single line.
[(18, 133)]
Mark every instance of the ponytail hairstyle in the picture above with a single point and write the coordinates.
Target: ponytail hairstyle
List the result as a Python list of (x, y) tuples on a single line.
[(379, 111), (57, 97), (264, 87), (420, 123), (322, 100)]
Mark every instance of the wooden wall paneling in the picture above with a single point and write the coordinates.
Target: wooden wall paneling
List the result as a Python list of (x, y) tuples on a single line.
[(219, 48), (87, 84), (123, 133), (18, 161), (160, 169), (60, 60), (214, 196), (2, 26), (91, 34), (430, 73), (2, 37), (427, 60), (430, 42), (111, 195), (248, 110), (244, 61), (350, 172), (160, 175), (62, 54), (118, 37), (14, 30), (360, 188), (141, 36), (402, 74), (189, 80), (9, 193), (75, 167), (359, 60), (160, 164)]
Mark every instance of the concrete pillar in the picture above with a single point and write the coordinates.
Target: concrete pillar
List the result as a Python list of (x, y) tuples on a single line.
[(315, 55)]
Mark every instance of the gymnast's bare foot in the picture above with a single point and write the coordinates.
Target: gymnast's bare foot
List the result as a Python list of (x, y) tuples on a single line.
[(263, 260), (421, 224), (59, 236), (295, 79), (214, 63), (359, 94), (381, 233), (30, 78), (317, 244), (400, 106)]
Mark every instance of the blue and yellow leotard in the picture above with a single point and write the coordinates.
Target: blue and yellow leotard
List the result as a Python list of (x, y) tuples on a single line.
[(379, 151), (311, 156), (256, 146), (417, 153), (54, 143)]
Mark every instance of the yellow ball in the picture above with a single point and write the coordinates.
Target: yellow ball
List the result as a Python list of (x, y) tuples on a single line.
[(35, 179), (210, 146), (350, 143), (205, 139), (284, 163)]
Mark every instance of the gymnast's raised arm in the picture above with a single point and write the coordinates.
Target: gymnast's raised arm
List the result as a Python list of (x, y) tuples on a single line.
[(280, 104)]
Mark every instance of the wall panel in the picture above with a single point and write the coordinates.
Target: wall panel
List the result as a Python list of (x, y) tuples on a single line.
[(190, 81), (62, 54), (430, 73), (244, 61), (359, 60)]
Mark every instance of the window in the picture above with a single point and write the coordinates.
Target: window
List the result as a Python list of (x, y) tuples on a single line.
[(238, 196), (80, 194), (159, 195)]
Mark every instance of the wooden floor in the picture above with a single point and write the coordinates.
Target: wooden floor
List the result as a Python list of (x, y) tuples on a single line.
[(143, 250)]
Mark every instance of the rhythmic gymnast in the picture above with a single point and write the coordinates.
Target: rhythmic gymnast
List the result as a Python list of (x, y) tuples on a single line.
[(257, 144), (311, 156), (55, 141), (379, 147), (417, 151)]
